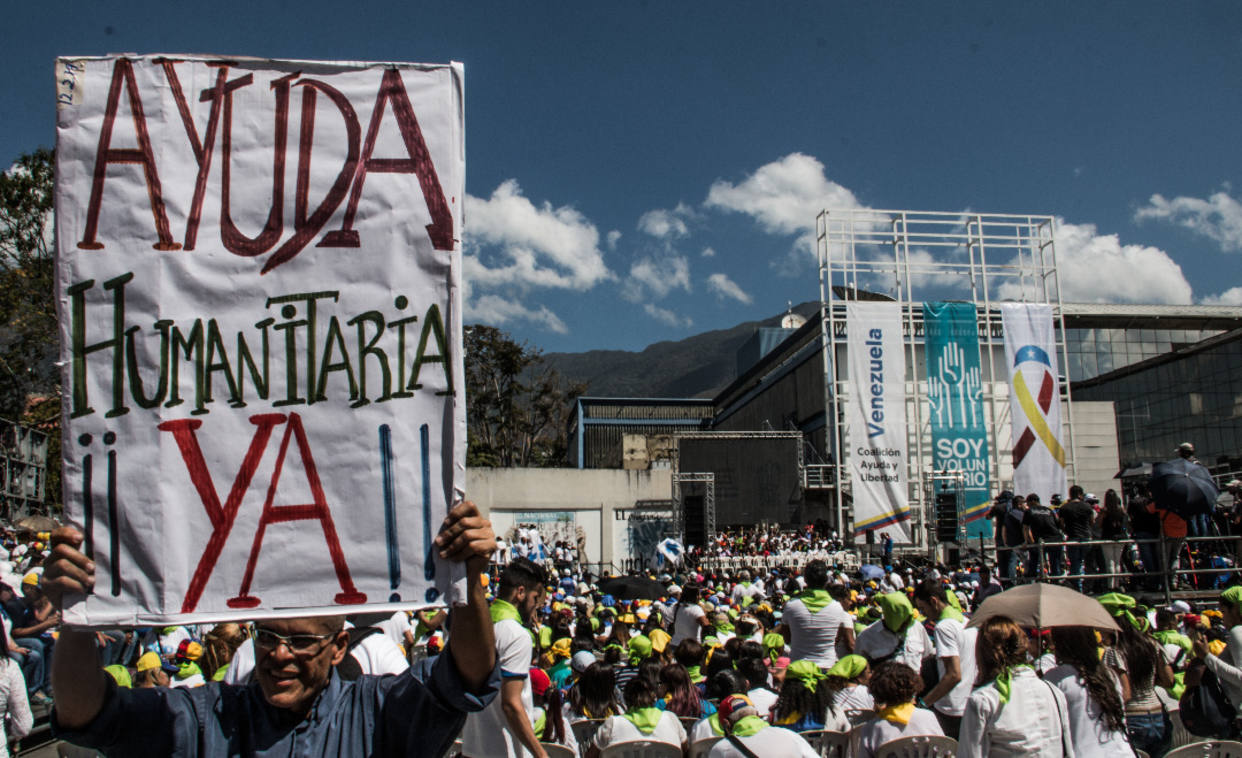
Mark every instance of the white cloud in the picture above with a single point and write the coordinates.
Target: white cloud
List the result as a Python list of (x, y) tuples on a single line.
[(511, 241), (613, 236), (724, 287), (667, 316), (657, 277), (497, 311), (1219, 217), (784, 196), (666, 224), (1097, 268), (708, 253), (1232, 296)]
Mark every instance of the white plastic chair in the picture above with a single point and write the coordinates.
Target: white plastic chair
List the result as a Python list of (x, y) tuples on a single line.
[(704, 746), (584, 732), (641, 749), (1208, 749), (923, 746), (557, 751), (827, 743)]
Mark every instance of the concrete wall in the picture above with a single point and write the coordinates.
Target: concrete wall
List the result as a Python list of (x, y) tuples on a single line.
[(596, 500), (1095, 446)]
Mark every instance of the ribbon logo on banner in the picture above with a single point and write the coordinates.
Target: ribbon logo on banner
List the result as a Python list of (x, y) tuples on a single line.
[(1036, 410)]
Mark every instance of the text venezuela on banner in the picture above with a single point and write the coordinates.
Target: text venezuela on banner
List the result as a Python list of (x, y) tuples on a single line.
[(258, 275), (955, 397), (1034, 400), (876, 414)]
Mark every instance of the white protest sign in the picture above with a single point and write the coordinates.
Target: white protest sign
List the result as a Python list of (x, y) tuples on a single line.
[(258, 285)]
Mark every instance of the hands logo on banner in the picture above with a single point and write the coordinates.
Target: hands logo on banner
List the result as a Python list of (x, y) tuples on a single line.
[(951, 379), (1035, 410)]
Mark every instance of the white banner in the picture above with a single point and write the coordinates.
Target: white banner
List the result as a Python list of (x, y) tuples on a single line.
[(1034, 400), (258, 282), (876, 415)]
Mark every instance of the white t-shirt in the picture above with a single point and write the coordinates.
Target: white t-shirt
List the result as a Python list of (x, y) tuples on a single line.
[(1089, 733), (813, 636), (876, 642), (619, 729), (773, 741), (686, 622), (487, 731), (764, 699), (876, 732), (954, 639)]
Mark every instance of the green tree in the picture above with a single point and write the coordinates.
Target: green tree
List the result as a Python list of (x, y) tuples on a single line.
[(29, 378), (515, 407), (28, 342)]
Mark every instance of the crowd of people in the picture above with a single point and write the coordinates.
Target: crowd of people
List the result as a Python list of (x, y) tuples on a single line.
[(734, 660)]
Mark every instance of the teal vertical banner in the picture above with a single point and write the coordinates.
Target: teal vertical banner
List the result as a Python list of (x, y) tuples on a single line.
[(955, 396)]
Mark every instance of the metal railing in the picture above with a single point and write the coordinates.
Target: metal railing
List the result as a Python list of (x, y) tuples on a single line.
[(1166, 579)]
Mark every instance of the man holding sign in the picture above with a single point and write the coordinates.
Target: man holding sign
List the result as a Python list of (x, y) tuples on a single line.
[(296, 704)]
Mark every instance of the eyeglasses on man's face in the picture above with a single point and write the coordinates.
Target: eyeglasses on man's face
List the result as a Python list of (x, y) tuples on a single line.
[(298, 644)]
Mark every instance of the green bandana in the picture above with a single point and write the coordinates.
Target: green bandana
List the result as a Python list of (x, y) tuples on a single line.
[(724, 627), (1174, 637), (848, 667), (1119, 605), (503, 609), (1232, 596), (644, 719), (694, 672), (1003, 684), (950, 612), (714, 721), (774, 644), (640, 648), (541, 723), (896, 610), (815, 600), (808, 673), (120, 674), (749, 725), (188, 669)]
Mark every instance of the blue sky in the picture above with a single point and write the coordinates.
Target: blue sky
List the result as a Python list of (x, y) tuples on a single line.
[(640, 172)]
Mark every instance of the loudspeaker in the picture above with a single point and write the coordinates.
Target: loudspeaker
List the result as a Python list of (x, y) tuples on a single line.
[(946, 516)]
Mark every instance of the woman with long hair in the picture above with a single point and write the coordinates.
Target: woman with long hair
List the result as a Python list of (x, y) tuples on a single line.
[(1012, 712), (894, 686), (15, 718), (642, 720), (680, 696), (1097, 715), (1114, 525), (594, 695), (1138, 661)]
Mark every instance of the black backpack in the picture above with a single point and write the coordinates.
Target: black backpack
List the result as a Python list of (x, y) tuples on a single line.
[(1205, 710)]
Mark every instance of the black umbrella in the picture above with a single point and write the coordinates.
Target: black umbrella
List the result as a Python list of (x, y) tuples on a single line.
[(1183, 487), (633, 588)]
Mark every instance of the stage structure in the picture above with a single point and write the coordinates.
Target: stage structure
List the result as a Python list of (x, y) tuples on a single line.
[(735, 479), (937, 271)]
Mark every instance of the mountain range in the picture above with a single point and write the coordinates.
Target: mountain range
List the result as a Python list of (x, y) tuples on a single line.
[(697, 366)]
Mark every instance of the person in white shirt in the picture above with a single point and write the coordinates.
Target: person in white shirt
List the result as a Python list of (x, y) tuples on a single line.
[(641, 721), (690, 618), (741, 721), (504, 728), (1016, 713), (896, 636), (955, 654), (1097, 714), (746, 588), (894, 686), (814, 621)]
